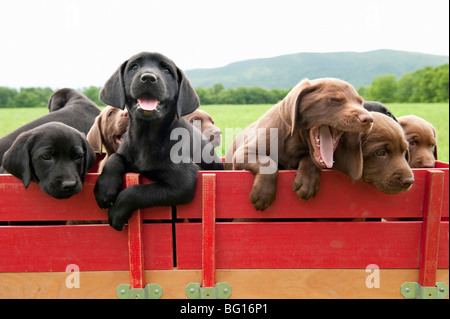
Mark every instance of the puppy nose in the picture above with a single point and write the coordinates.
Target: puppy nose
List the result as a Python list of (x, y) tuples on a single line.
[(149, 77), (365, 118), (67, 185), (407, 181)]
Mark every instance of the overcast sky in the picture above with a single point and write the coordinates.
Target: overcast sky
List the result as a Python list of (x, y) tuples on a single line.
[(78, 43)]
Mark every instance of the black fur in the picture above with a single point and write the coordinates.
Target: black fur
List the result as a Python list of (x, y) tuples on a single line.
[(54, 155), (373, 106), (67, 106), (147, 145)]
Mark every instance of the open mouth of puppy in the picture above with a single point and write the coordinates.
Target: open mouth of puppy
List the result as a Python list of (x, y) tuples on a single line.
[(324, 140), (148, 103), (119, 138)]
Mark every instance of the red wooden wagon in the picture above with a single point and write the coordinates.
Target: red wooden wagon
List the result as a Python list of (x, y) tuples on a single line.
[(333, 246)]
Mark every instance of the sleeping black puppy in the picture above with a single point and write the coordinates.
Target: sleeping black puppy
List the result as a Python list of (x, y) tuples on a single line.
[(54, 155), (373, 106), (67, 106), (157, 94)]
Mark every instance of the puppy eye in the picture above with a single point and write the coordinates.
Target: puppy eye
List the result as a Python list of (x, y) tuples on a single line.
[(134, 67), (381, 153), (78, 156), (111, 113), (336, 100), (412, 143), (47, 157), (167, 71)]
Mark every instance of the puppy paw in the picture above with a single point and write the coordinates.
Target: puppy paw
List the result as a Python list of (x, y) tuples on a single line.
[(115, 220), (106, 192), (306, 186), (262, 196), (121, 211)]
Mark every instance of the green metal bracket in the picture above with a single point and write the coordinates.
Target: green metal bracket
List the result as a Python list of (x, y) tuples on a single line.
[(150, 291), (412, 290), (222, 290)]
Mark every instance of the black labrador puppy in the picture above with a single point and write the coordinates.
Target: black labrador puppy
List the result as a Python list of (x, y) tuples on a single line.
[(157, 94), (373, 106), (67, 106), (54, 155)]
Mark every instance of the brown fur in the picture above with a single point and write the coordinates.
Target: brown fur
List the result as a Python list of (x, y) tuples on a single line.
[(212, 132), (385, 156), (422, 138), (107, 131), (307, 107)]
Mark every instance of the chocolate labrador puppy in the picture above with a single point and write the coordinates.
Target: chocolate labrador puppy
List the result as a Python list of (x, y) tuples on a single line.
[(107, 132), (422, 140), (207, 126), (385, 153), (54, 155), (307, 125), (157, 94)]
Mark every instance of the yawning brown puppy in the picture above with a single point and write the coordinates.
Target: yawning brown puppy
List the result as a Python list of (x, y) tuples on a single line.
[(306, 127)]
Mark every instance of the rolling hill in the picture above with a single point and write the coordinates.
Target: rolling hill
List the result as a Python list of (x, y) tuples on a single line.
[(285, 71)]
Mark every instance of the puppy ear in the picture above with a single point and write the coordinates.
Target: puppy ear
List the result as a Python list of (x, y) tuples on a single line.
[(348, 157), (290, 107), (435, 152), (188, 100), (94, 136), (58, 100), (17, 159), (88, 159), (113, 92)]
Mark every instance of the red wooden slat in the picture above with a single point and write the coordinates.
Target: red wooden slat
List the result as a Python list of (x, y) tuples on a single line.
[(338, 197), (91, 247), (208, 230), (308, 245), (135, 241), (442, 166), (431, 227), (20, 204)]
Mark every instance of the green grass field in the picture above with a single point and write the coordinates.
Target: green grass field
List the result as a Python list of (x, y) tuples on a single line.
[(240, 116)]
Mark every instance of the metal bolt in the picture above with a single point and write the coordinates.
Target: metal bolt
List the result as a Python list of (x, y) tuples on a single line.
[(225, 291), (442, 289), (156, 291), (122, 292), (407, 290), (192, 290)]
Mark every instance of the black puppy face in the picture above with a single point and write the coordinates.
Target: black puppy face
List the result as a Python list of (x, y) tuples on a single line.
[(152, 87), (54, 155)]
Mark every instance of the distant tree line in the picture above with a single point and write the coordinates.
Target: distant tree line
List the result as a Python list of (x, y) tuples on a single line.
[(38, 97), (429, 84), (240, 95)]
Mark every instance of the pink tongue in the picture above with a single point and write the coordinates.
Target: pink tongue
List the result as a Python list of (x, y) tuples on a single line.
[(148, 104), (326, 146)]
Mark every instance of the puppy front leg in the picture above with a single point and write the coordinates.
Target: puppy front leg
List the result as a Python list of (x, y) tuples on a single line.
[(169, 190), (264, 188), (307, 179), (110, 181)]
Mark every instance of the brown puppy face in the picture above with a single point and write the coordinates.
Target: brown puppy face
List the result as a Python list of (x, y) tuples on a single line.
[(422, 139), (384, 155), (212, 132), (108, 129), (326, 108)]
